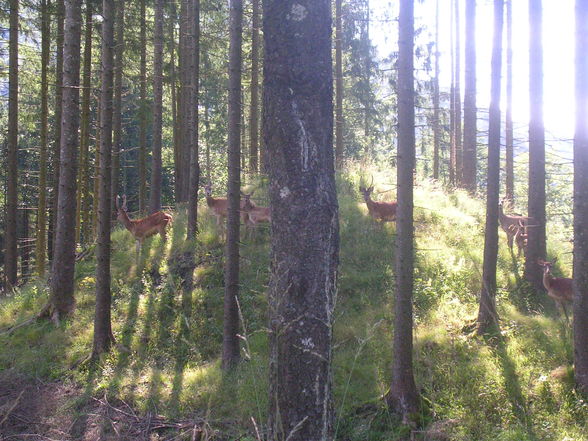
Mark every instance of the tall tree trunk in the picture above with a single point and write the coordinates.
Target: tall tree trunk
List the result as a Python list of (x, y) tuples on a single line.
[(155, 195), (254, 108), (61, 300), (103, 338), (97, 161), (403, 396), (82, 214), (509, 166), (457, 119), (174, 98), (581, 202), (185, 109), (487, 314), (10, 259), (41, 241), (194, 162), (536, 248), (117, 105), (143, 111), (60, 12), (469, 106), (338, 86), (452, 137), (368, 70), (231, 353), (436, 99), (298, 91)]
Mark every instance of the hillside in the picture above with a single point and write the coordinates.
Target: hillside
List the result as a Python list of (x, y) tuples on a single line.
[(163, 381)]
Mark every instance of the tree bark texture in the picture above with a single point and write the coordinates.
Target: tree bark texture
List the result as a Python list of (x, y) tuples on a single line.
[(469, 105), (143, 110), (457, 106), (452, 140), (194, 161), (155, 193), (536, 248), (117, 106), (41, 240), (231, 353), (10, 258), (581, 202), (403, 396), (298, 133), (254, 108), (62, 280), (436, 99), (102, 323), (338, 86), (509, 132), (487, 314)]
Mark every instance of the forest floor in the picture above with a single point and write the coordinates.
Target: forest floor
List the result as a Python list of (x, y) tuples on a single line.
[(166, 384)]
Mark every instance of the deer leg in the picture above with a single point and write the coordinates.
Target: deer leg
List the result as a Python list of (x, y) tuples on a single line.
[(138, 250), (563, 306)]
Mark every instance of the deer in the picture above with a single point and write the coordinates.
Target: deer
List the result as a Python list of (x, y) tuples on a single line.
[(520, 237), (384, 211), (219, 206), (512, 224), (145, 227), (559, 289), (252, 214)]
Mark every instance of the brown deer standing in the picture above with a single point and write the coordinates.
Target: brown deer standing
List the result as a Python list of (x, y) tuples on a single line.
[(520, 237), (383, 211), (559, 289), (143, 228), (219, 206), (511, 224), (252, 214)]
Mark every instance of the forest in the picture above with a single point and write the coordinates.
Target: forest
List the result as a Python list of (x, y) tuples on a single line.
[(294, 220)]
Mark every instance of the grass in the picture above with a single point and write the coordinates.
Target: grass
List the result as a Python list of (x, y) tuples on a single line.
[(516, 385)]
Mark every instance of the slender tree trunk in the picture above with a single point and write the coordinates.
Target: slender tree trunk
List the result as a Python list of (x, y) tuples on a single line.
[(194, 162), (82, 215), (61, 300), (436, 107), (60, 12), (509, 126), (117, 105), (298, 92), (184, 103), (338, 86), (452, 137), (97, 161), (254, 108), (536, 248), (231, 353), (103, 338), (457, 119), (155, 195), (174, 98), (368, 70), (487, 314), (469, 107), (143, 111), (403, 396), (10, 259), (41, 241), (581, 202)]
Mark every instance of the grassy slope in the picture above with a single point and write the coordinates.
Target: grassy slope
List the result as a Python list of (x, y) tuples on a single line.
[(509, 388)]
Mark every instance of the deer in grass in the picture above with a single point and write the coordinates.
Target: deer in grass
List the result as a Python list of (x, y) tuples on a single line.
[(142, 228), (252, 214), (512, 224), (383, 211), (558, 288), (219, 206), (520, 237)]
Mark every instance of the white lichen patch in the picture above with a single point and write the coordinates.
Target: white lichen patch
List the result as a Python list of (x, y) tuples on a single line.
[(297, 13), (284, 192), (307, 343)]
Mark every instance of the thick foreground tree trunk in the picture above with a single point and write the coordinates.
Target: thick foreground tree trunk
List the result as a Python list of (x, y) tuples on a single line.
[(298, 134)]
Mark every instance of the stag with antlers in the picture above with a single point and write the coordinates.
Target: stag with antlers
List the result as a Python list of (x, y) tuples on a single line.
[(142, 228), (558, 288), (383, 211)]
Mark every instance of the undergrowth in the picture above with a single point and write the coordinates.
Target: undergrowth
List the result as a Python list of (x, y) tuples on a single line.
[(516, 385)]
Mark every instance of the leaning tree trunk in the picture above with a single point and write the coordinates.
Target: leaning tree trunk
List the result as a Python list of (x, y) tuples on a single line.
[(155, 195), (231, 314), (143, 110), (117, 105), (509, 132), (10, 258), (41, 240), (581, 202), (469, 105), (103, 338), (61, 301), (338, 86), (403, 395), (536, 248), (487, 314), (298, 92)]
